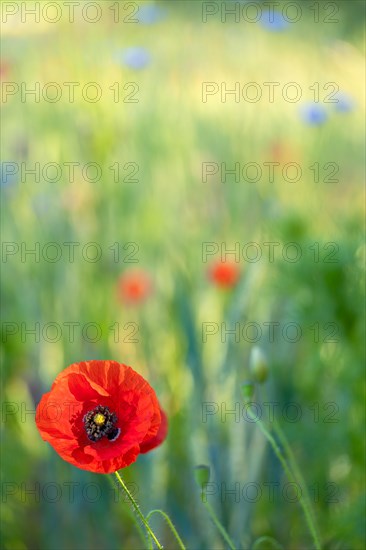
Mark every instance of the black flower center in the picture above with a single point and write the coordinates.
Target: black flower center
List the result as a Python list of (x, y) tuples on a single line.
[(101, 422)]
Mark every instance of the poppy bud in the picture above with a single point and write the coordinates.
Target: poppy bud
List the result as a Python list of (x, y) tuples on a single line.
[(247, 390), (202, 475), (258, 364)]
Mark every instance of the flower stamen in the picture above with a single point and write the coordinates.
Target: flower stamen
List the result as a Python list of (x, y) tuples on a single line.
[(99, 419), (101, 422)]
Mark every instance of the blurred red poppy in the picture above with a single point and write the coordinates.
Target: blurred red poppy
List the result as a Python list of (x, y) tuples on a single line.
[(283, 153), (134, 286), (4, 69), (224, 274), (100, 415)]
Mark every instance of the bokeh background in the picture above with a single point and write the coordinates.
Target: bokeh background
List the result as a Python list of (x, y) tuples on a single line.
[(150, 223)]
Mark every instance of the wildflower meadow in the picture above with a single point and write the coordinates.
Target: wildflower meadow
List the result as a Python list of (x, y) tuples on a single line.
[(183, 268)]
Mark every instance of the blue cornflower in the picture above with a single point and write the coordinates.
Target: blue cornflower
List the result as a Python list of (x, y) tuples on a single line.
[(313, 114), (273, 21), (134, 57), (345, 103), (150, 14)]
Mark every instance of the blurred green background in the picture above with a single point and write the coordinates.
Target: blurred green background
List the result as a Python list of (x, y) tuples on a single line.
[(168, 213)]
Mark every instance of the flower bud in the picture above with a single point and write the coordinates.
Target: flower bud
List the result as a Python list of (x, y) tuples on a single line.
[(258, 364), (247, 390), (202, 475)]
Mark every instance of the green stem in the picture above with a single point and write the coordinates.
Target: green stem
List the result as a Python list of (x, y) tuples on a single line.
[(293, 465), (138, 526), (271, 540), (218, 524), (170, 523), (138, 511), (291, 478), (295, 469)]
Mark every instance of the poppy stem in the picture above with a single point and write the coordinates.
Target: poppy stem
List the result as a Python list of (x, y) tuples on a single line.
[(170, 523), (139, 527), (217, 523), (275, 544), (136, 507), (295, 469), (291, 477)]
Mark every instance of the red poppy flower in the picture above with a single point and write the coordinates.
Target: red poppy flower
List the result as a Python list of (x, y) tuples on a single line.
[(4, 69), (283, 153), (153, 442), (134, 286), (100, 415), (224, 274)]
